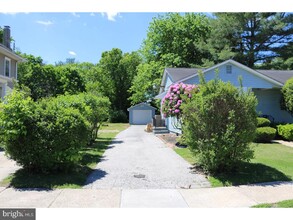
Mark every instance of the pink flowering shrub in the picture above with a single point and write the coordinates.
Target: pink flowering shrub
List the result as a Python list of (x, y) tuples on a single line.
[(176, 94)]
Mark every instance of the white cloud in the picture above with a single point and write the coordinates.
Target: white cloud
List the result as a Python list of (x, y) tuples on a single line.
[(45, 23), (111, 15), (9, 13), (72, 53), (76, 15), (13, 13)]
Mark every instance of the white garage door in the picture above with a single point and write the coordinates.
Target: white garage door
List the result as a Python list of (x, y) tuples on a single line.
[(142, 117)]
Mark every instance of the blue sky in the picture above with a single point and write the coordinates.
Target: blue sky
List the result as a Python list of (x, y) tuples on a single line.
[(83, 36), (57, 33)]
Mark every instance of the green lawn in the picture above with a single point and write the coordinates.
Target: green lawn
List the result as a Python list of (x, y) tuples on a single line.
[(282, 204), (272, 162), (75, 179)]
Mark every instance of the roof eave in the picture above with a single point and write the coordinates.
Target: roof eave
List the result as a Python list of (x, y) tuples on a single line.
[(242, 67), (10, 54)]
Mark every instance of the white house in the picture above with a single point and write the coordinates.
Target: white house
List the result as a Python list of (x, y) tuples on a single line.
[(8, 63)]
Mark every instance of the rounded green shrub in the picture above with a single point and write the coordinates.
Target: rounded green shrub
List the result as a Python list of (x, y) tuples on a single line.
[(286, 131), (219, 123), (263, 122), (95, 109), (287, 92), (265, 134), (43, 136)]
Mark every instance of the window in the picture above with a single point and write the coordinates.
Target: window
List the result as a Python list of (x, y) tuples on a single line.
[(7, 67), (228, 69)]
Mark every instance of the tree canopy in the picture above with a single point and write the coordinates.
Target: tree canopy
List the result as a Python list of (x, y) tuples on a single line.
[(48, 80), (250, 38), (173, 39), (113, 76)]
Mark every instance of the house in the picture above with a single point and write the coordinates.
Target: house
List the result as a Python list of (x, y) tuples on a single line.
[(265, 84), (8, 63), (141, 114)]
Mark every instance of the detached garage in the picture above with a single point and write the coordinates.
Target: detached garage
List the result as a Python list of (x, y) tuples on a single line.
[(141, 114)]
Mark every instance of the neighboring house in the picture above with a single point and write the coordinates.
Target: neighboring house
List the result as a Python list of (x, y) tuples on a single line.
[(8, 64), (266, 85), (141, 114)]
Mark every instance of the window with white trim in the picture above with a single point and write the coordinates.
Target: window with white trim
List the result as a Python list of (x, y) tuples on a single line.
[(229, 69), (7, 67)]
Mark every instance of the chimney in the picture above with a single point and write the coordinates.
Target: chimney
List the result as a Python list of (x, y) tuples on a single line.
[(6, 36)]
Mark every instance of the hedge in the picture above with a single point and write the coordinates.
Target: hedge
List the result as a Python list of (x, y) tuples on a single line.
[(265, 134), (286, 131), (263, 122), (47, 136)]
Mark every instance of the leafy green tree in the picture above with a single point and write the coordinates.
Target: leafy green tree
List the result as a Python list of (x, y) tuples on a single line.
[(249, 38), (48, 80), (173, 39), (69, 79), (113, 76), (145, 85), (39, 78)]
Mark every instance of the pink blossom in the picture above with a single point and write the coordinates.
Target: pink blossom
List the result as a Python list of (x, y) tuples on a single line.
[(172, 101)]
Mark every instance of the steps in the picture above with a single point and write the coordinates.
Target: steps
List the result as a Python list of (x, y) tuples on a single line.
[(160, 130)]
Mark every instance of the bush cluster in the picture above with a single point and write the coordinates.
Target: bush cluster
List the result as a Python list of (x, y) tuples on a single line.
[(264, 133), (219, 124), (286, 131), (263, 122), (47, 135), (118, 116)]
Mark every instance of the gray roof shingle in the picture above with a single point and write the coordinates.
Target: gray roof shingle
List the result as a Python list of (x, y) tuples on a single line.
[(180, 73), (279, 75)]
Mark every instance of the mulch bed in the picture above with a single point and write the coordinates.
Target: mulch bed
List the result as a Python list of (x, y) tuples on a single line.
[(169, 139)]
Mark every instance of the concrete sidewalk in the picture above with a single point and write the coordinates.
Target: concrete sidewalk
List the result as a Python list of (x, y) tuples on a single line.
[(7, 166), (222, 197)]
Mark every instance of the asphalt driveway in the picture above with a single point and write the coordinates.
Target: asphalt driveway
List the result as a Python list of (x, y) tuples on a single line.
[(140, 160)]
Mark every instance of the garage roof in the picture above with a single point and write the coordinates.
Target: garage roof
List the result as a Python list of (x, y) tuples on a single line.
[(141, 105)]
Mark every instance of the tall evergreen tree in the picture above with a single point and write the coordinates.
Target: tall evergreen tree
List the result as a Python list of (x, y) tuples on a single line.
[(250, 38)]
